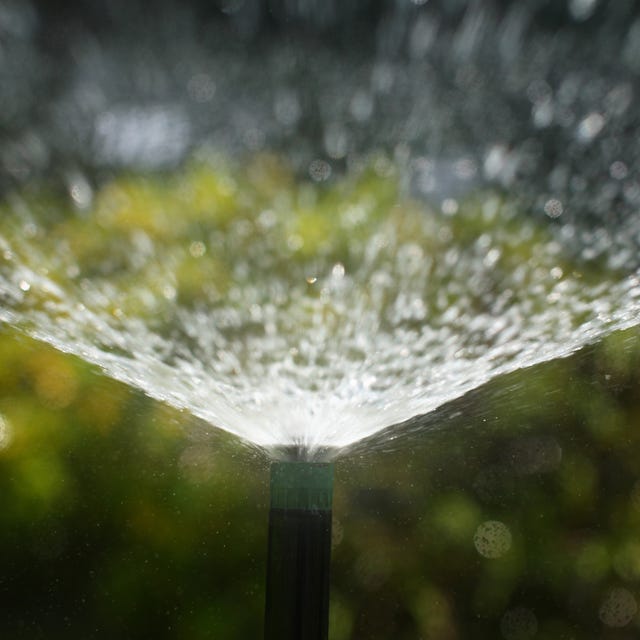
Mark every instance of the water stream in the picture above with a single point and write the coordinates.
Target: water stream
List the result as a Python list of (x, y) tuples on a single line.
[(297, 315)]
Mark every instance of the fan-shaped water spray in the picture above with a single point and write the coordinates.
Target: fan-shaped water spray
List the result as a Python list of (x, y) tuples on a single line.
[(295, 314), (315, 312)]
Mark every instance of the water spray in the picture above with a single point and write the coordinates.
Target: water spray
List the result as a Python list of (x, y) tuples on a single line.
[(299, 551)]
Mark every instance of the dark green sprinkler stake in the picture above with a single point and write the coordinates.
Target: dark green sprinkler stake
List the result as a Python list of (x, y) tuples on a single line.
[(297, 603)]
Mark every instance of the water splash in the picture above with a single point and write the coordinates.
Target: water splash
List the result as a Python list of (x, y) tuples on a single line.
[(298, 313)]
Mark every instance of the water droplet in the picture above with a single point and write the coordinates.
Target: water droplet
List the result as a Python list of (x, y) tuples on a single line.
[(465, 168), (169, 292), (81, 192), (338, 271), (311, 279), (423, 35), (618, 170), (618, 100), (500, 164), (491, 258), (618, 608), (582, 9), (336, 141), (449, 206), (361, 106), (197, 249), (267, 219), (553, 208), (590, 127), (24, 285), (542, 114), (319, 170), (295, 242), (492, 539)]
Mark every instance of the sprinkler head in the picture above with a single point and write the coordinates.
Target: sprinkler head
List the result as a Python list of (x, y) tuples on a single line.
[(300, 485), (299, 557), (301, 453)]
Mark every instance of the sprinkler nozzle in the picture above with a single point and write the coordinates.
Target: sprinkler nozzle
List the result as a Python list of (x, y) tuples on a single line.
[(302, 485), (299, 555)]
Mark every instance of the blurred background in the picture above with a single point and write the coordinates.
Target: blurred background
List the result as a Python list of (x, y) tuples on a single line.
[(513, 512)]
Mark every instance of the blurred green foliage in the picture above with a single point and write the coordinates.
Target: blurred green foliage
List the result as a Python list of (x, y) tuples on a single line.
[(111, 522), (513, 512)]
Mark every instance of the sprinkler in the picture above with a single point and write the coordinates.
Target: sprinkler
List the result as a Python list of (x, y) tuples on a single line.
[(299, 554)]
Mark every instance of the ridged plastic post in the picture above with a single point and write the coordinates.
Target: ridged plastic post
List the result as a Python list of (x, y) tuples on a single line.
[(299, 554)]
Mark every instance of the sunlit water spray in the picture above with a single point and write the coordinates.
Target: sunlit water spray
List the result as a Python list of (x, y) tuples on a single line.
[(290, 314), (317, 313)]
